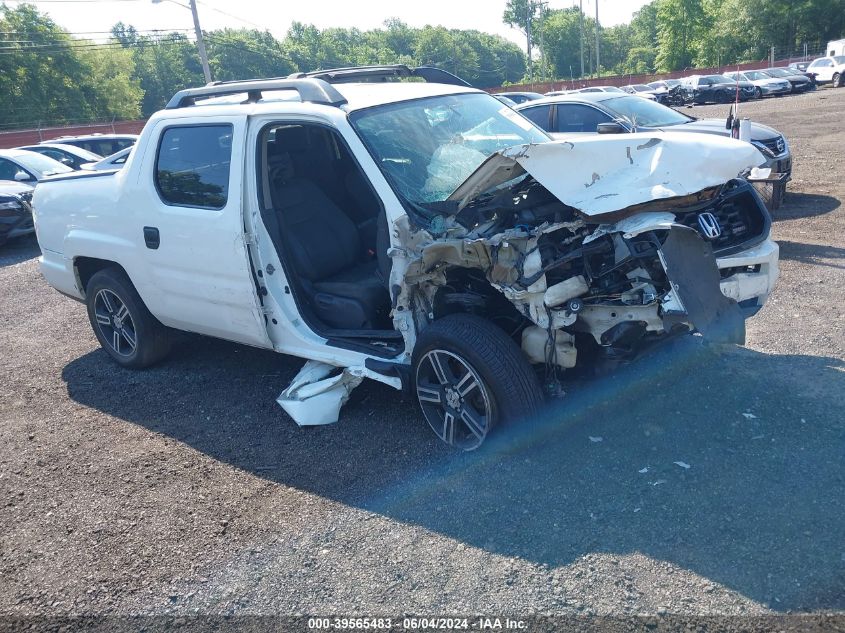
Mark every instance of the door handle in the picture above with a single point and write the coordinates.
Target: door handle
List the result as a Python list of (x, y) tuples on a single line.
[(151, 237)]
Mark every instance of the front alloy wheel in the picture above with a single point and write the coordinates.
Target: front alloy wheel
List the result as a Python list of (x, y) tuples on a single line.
[(471, 377), (454, 399)]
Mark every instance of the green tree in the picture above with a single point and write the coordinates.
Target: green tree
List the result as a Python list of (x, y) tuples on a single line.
[(46, 77), (246, 54), (679, 27), (440, 47), (112, 90)]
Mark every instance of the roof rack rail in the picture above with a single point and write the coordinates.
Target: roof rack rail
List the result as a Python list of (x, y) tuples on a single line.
[(310, 89), (383, 73)]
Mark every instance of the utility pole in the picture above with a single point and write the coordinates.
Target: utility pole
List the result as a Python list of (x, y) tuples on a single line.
[(206, 70), (543, 62), (529, 7), (192, 6), (581, 20), (598, 28)]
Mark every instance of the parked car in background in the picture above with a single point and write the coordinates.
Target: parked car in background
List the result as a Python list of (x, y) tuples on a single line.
[(642, 90), (584, 113), (21, 165), (101, 144), (15, 210), (666, 84), (700, 89), (801, 68), (557, 93), (798, 80), (764, 84), (69, 155), (508, 102), (828, 70), (115, 161), (599, 89), (520, 97)]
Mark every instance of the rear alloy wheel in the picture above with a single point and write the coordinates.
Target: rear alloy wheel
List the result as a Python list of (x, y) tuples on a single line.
[(130, 334), (837, 80), (470, 377), (758, 93)]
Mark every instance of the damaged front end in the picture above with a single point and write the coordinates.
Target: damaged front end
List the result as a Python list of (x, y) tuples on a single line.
[(593, 249)]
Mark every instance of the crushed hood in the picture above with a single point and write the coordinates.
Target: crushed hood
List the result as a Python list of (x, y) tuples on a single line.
[(605, 173)]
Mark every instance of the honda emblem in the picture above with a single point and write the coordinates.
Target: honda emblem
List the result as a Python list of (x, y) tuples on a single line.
[(709, 225)]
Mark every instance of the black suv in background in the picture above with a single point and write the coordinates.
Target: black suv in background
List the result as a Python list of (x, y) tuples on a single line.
[(15, 210), (700, 89)]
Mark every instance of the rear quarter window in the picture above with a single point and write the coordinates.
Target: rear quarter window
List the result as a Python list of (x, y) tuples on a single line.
[(538, 115), (193, 164)]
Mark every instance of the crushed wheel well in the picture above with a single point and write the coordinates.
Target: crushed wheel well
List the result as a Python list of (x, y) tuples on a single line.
[(467, 291), (85, 268)]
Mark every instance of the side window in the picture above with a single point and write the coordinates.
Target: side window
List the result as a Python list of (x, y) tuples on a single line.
[(538, 115), (54, 154), (192, 168), (8, 169), (579, 118)]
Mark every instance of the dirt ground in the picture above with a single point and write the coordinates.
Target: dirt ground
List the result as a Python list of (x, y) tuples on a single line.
[(185, 489)]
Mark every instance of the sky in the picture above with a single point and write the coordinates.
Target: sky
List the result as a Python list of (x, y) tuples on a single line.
[(78, 16)]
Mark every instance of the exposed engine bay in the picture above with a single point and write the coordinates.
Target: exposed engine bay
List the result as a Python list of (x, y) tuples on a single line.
[(569, 285)]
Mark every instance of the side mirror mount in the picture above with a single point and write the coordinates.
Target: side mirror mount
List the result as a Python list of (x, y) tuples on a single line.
[(22, 176), (611, 128)]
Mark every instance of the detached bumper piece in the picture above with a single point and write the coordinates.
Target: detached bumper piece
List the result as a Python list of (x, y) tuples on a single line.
[(315, 396), (695, 279)]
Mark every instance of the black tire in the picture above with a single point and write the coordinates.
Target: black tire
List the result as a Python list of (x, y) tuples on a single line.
[(108, 292), (837, 80), (758, 93), (472, 350)]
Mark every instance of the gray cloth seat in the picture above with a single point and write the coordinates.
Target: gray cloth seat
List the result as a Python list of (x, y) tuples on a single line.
[(324, 247)]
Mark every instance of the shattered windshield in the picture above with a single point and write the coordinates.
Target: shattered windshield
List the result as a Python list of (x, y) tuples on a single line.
[(644, 113), (427, 147)]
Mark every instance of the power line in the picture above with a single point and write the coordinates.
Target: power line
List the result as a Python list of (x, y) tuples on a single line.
[(83, 44), (134, 30), (52, 49), (231, 15)]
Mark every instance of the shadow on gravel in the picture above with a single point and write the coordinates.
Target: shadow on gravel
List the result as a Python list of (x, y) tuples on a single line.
[(756, 503), (18, 250), (805, 205), (814, 254)]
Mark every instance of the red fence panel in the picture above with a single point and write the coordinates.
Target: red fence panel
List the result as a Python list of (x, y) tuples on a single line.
[(625, 80), (17, 138)]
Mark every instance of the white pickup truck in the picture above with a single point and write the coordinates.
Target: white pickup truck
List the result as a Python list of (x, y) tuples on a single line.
[(418, 233)]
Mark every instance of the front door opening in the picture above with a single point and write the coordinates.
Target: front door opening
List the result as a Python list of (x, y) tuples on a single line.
[(323, 217)]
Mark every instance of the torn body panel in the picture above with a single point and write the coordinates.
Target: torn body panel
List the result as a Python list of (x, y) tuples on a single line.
[(319, 390), (606, 174)]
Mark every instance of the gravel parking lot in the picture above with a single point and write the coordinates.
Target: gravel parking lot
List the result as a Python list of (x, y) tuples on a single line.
[(696, 481)]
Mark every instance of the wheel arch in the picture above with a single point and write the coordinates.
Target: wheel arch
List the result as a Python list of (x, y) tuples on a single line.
[(467, 291), (86, 267)]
